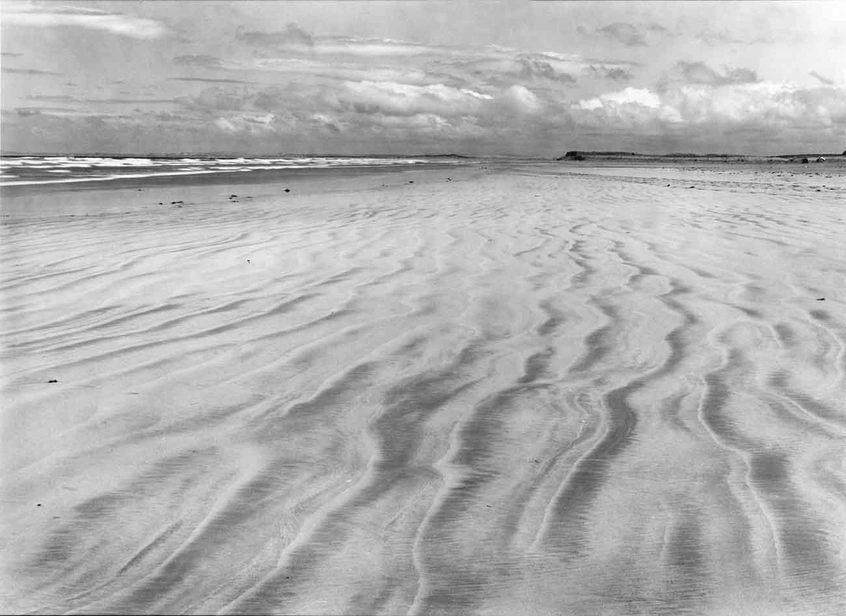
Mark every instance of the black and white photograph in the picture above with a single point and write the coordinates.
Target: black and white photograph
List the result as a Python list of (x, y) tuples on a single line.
[(423, 307)]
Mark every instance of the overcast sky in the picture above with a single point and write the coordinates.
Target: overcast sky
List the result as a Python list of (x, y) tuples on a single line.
[(406, 76)]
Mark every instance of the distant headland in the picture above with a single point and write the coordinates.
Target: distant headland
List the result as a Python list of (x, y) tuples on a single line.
[(582, 155)]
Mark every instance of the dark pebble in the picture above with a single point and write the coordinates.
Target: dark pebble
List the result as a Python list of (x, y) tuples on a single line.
[(52, 381)]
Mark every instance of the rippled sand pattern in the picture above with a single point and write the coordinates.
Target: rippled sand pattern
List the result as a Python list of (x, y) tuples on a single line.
[(525, 393)]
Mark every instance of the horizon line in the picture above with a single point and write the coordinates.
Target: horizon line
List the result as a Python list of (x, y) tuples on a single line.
[(606, 153)]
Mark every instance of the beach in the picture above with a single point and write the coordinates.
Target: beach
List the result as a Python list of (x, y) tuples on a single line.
[(506, 388)]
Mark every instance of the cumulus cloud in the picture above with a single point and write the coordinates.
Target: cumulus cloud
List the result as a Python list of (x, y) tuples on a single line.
[(700, 111), (635, 96), (628, 108), (777, 105), (522, 99), (26, 14)]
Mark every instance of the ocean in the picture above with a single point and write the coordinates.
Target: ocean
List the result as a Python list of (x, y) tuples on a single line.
[(37, 170)]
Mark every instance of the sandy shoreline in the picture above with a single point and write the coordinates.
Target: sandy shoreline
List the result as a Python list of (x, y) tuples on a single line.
[(532, 389)]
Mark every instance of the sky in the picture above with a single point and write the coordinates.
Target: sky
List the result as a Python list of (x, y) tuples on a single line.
[(477, 77)]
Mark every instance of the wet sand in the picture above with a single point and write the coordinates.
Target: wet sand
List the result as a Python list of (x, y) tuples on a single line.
[(542, 389)]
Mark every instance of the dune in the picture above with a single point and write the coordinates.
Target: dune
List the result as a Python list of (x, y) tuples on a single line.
[(528, 390)]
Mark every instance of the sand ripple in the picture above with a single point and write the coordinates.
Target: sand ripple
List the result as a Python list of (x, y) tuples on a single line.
[(523, 392)]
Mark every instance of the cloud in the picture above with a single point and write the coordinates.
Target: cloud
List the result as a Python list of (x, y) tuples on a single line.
[(614, 73), (130, 101), (763, 112), (204, 80), (712, 37), (381, 47), (201, 61), (700, 73), (42, 16), (775, 106), (390, 98), (292, 35), (535, 68), (501, 68), (628, 108), (274, 98), (624, 33), (28, 71), (629, 96), (246, 123), (629, 34), (309, 69), (45, 97), (823, 80), (218, 99), (28, 111), (522, 99)]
